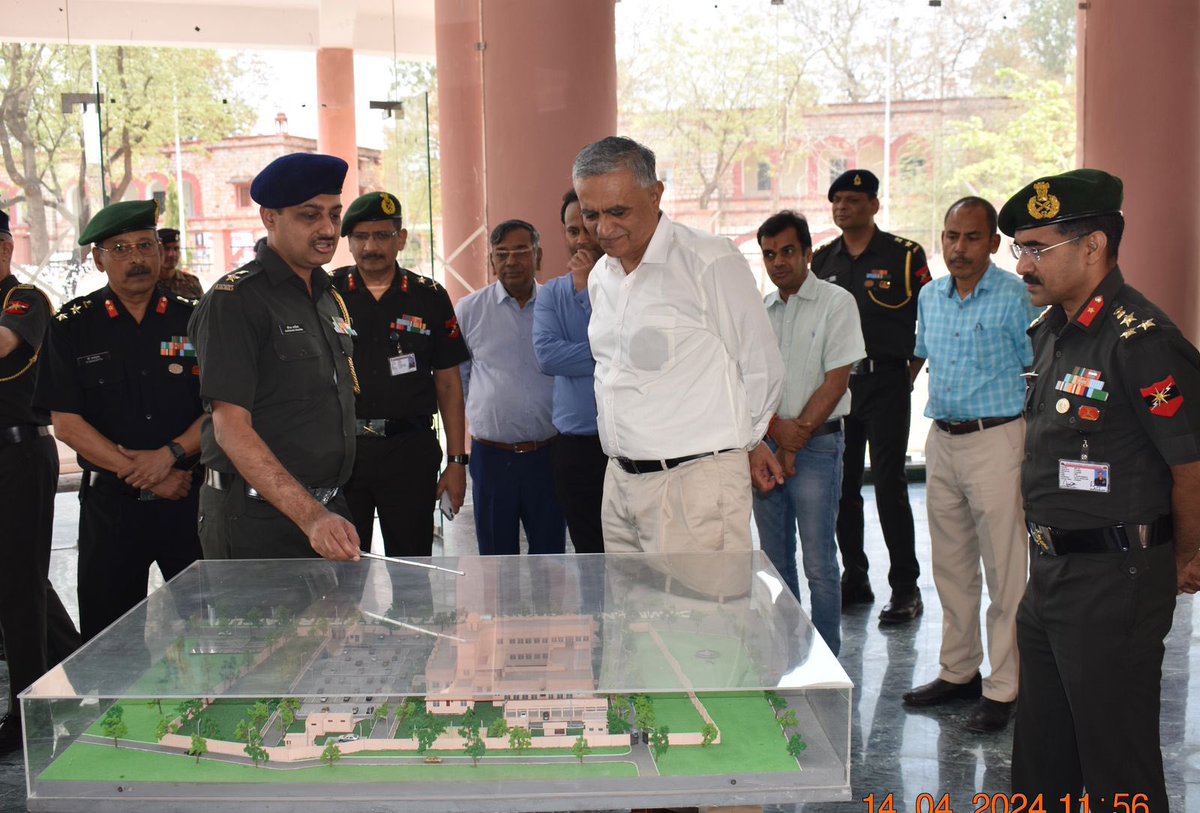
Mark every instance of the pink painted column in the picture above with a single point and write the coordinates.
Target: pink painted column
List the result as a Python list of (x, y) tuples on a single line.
[(336, 132), (522, 86), (1139, 118)]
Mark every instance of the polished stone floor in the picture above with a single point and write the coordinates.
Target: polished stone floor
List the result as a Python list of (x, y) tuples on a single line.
[(893, 751)]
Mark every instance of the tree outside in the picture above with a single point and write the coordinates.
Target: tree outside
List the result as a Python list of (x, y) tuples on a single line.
[(581, 748), (331, 754), (519, 739), (113, 724)]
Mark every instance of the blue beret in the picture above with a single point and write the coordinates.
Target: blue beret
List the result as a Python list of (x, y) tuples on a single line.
[(292, 179), (855, 180), (4, 223), (119, 218)]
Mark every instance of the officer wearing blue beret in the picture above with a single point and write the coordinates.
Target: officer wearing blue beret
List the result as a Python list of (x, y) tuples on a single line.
[(277, 374), (1109, 481)]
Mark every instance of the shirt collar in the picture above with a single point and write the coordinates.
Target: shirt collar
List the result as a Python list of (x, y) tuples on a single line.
[(985, 282), (1102, 298), (278, 271), (499, 294)]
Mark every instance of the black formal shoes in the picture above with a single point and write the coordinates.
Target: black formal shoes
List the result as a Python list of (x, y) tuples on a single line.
[(943, 691), (990, 715), (903, 607)]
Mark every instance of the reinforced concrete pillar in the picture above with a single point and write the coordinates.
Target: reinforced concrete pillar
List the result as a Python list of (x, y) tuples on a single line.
[(336, 132)]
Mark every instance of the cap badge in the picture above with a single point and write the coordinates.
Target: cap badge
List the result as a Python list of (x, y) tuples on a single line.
[(858, 180), (1043, 205), (387, 204)]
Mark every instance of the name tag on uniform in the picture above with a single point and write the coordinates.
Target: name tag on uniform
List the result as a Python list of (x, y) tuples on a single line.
[(399, 365), (288, 330), (1083, 475)]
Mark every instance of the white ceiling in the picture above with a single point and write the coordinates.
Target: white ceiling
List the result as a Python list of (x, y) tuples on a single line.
[(368, 26)]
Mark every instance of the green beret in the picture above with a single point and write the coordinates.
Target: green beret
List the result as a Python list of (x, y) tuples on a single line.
[(855, 180), (118, 218), (292, 179), (371, 206), (1058, 198)]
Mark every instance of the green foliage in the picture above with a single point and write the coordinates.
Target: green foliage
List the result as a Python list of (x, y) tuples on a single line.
[(519, 739), (254, 748), (643, 709), (258, 715), (616, 723), (162, 728), (475, 749), (113, 725), (778, 704), (498, 728), (788, 720), (660, 741), (199, 747), (993, 159), (469, 725), (331, 754), (581, 748), (709, 733), (427, 728), (796, 746)]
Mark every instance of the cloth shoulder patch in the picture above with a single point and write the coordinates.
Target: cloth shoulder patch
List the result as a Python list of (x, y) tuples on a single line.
[(1163, 398)]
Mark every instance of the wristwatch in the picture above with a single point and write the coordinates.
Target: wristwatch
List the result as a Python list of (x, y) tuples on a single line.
[(176, 450), (460, 459)]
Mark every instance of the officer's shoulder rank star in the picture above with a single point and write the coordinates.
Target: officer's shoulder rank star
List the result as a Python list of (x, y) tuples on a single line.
[(1147, 324), (1128, 319)]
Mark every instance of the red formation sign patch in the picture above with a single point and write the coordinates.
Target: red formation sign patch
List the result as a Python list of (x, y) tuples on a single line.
[(1163, 397), (17, 308)]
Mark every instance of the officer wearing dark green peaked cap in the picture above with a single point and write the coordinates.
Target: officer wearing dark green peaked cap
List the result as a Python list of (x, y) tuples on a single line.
[(1072, 195), (370, 207), (119, 218), (1111, 469)]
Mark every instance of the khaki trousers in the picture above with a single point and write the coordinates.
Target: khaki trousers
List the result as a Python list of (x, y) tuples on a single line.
[(699, 507), (973, 495)]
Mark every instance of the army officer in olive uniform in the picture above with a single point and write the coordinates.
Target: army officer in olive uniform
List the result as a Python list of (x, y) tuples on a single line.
[(407, 348), (1111, 485), (276, 373), (119, 379), (885, 274)]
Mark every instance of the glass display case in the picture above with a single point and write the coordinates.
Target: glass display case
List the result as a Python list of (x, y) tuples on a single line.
[(521, 683)]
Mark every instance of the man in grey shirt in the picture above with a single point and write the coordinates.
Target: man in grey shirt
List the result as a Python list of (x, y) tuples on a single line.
[(510, 403)]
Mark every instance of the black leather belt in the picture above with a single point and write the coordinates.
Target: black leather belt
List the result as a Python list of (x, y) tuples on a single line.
[(650, 466), (1049, 541), (113, 484), (829, 427), (226, 482), (875, 365), (521, 447), (11, 435), (386, 427), (967, 427)]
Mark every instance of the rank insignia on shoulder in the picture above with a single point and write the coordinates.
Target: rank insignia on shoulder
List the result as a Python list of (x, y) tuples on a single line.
[(1163, 398), (183, 300), (1088, 315), (223, 286), (1040, 318)]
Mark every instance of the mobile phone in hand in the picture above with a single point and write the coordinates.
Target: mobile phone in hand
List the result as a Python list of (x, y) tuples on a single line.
[(446, 506)]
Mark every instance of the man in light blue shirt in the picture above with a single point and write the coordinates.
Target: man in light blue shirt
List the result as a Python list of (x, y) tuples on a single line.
[(509, 403), (971, 327), (820, 337), (560, 341)]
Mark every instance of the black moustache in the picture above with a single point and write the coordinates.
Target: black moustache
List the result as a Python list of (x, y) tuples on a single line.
[(1030, 279), (138, 271)]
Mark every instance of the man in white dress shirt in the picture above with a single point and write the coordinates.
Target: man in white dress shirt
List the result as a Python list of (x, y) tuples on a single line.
[(688, 370)]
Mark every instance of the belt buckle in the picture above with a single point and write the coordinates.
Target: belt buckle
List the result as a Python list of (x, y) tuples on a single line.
[(1043, 539), (369, 428)]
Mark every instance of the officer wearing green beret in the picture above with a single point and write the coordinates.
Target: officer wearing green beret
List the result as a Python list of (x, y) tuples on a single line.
[(407, 348), (171, 276), (1110, 483), (119, 379), (885, 273), (38, 633), (274, 340)]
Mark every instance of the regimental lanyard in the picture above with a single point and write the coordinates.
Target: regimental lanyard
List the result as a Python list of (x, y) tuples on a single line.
[(1084, 474)]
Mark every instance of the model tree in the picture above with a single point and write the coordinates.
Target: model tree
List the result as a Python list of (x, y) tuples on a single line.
[(643, 708), (254, 748), (331, 754), (113, 724), (199, 747), (427, 729), (475, 749), (619, 709), (259, 713), (162, 729), (796, 746), (498, 728), (788, 720), (469, 724), (709, 735), (660, 741), (155, 702), (519, 739), (581, 748), (189, 708), (778, 704), (288, 707), (382, 712)]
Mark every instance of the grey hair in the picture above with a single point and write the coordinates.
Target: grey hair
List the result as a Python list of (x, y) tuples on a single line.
[(614, 154)]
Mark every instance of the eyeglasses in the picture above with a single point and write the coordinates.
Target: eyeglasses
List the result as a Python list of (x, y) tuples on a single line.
[(1035, 252), (502, 255), (123, 250), (379, 236)]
